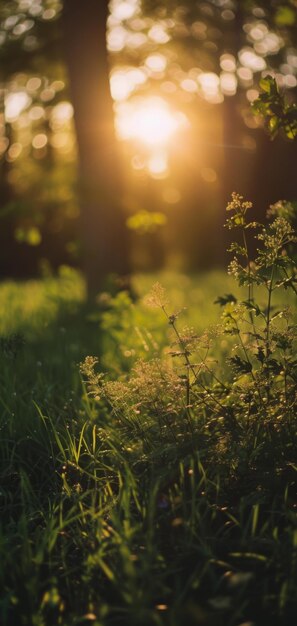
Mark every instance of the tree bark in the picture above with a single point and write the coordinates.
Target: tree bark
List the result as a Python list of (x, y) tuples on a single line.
[(103, 232)]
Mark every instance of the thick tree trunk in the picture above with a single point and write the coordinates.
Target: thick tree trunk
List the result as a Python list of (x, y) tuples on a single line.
[(103, 231)]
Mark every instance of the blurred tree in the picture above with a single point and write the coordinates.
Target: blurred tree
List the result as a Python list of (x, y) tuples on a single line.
[(204, 58), (39, 208), (104, 234), (81, 37)]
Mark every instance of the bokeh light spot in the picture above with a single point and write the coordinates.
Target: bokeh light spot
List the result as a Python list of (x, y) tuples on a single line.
[(15, 103), (156, 62), (158, 165), (39, 141), (228, 83)]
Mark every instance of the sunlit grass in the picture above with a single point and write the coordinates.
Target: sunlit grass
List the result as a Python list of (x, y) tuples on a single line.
[(102, 527)]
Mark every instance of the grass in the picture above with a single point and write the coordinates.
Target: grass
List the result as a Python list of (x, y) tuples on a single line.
[(109, 520)]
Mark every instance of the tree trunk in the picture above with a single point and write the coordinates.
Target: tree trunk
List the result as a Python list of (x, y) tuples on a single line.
[(103, 231)]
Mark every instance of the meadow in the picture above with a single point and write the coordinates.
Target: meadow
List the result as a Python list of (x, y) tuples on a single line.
[(148, 451)]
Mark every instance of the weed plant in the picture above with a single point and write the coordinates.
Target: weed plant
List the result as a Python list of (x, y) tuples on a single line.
[(231, 424), (253, 391), (164, 492)]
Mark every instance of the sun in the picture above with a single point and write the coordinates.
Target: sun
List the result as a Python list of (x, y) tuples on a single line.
[(149, 121), (154, 123)]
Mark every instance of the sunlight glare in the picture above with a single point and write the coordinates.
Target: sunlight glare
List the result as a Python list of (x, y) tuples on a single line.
[(61, 114), (250, 59), (158, 34), (117, 38), (150, 122), (156, 62), (123, 10), (228, 83), (158, 165), (228, 62), (15, 103), (209, 84), (123, 82)]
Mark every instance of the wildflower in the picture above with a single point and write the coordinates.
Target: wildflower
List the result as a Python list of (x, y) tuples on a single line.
[(156, 298)]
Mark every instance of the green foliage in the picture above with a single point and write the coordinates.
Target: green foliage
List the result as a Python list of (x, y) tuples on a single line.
[(196, 35), (279, 115), (30, 236), (11, 344), (238, 416), (160, 490), (285, 16), (261, 389), (146, 221)]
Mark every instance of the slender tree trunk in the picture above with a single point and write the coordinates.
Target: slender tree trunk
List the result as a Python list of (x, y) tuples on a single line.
[(103, 231)]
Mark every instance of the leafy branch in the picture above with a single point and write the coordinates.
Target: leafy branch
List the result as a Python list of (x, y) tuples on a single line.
[(279, 115)]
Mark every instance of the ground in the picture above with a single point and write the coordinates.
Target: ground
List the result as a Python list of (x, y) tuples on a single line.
[(108, 521)]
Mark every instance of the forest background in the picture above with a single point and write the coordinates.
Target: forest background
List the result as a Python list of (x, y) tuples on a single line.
[(182, 76)]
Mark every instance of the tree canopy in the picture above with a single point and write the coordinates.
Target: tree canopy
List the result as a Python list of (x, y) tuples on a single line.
[(182, 78)]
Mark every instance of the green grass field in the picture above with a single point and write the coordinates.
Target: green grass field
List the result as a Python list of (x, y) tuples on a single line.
[(113, 516)]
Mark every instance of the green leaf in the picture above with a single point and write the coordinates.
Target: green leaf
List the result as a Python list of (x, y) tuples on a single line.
[(278, 114), (273, 366), (285, 16), (252, 307), (268, 85), (260, 355), (276, 107), (240, 365), (273, 124), (222, 300)]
